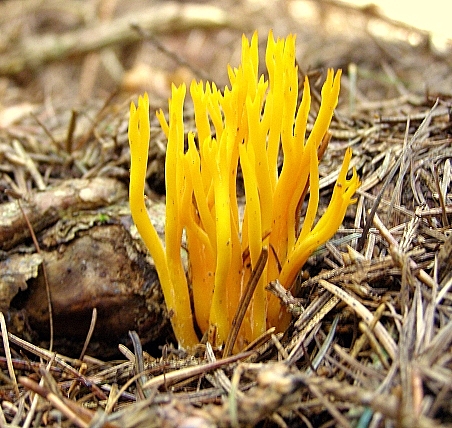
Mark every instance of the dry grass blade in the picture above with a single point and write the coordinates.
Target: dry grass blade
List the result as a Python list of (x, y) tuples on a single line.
[(59, 361), (12, 373), (325, 347), (398, 256), (297, 344), (386, 340), (188, 372)]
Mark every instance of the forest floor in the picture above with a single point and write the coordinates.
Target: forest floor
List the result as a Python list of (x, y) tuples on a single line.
[(371, 340)]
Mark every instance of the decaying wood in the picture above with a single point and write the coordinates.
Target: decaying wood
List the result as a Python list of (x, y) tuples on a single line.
[(15, 271), (91, 261), (44, 208), (100, 268)]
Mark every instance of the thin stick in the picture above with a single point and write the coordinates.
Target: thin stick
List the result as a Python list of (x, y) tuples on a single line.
[(56, 401), (161, 18), (59, 361), (185, 373), (44, 273), (34, 404), (70, 131), (329, 406), (244, 302)]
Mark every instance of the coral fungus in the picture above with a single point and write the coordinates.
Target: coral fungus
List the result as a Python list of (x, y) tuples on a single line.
[(247, 124)]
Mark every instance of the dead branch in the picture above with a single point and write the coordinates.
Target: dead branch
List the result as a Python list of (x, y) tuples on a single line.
[(161, 18)]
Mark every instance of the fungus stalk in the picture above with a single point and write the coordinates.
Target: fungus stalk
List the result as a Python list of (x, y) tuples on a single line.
[(252, 121)]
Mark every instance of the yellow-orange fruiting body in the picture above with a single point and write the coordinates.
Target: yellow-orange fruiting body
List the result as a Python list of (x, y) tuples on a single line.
[(251, 121)]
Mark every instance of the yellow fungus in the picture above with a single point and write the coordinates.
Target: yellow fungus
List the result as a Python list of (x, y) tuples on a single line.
[(247, 126), (174, 287)]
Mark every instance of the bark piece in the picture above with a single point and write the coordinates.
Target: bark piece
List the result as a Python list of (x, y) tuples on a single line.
[(15, 271), (45, 208), (102, 269)]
